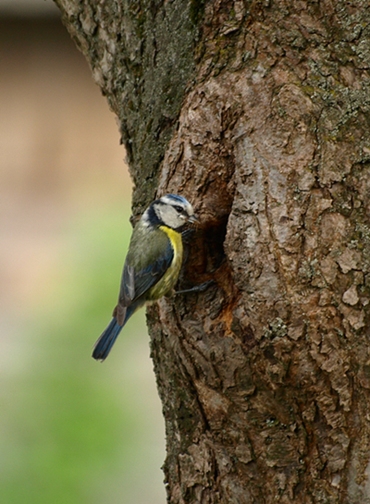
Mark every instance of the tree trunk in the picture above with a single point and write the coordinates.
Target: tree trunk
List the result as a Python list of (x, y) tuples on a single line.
[(258, 113)]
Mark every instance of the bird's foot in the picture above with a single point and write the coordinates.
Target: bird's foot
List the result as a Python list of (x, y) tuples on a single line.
[(197, 288)]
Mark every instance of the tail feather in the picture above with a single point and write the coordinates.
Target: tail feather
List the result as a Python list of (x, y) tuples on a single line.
[(106, 340)]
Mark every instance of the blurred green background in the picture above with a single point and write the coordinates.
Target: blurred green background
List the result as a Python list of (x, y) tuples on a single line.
[(71, 430)]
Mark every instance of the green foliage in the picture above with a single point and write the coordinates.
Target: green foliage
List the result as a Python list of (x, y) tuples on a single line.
[(71, 429)]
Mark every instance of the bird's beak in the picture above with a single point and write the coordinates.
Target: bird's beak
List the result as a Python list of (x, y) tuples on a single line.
[(193, 219)]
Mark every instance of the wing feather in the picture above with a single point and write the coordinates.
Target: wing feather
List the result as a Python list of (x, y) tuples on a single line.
[(135, 283)]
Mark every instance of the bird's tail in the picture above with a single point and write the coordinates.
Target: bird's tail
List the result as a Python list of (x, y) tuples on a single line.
[(105, 342)]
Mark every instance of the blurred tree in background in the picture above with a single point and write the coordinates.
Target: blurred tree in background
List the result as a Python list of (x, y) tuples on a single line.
[(64, 207)]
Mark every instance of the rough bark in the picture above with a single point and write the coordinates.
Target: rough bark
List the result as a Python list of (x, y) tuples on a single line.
[(258, 112)]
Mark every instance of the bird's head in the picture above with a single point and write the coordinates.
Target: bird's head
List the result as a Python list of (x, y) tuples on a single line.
[(171, 210)]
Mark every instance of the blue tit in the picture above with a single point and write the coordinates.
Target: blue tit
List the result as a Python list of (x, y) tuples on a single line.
[(152, 264)]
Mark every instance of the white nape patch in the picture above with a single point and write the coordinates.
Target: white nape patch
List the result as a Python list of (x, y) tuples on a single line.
[(145, 219)]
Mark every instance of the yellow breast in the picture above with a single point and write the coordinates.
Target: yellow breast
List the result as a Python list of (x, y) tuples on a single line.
[(169, 279)]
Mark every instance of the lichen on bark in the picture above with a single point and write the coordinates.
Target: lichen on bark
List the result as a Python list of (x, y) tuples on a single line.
[(141, 55)]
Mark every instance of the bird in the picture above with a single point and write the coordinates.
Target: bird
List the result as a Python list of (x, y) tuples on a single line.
[(152, 265)]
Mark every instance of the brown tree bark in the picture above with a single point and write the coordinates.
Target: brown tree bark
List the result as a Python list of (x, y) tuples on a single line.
[(257, 112)]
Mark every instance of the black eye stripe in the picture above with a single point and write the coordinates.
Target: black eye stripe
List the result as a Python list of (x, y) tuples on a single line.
[(178, 208)]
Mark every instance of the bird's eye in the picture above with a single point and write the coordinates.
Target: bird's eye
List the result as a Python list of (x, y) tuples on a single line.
[(178, 208)]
